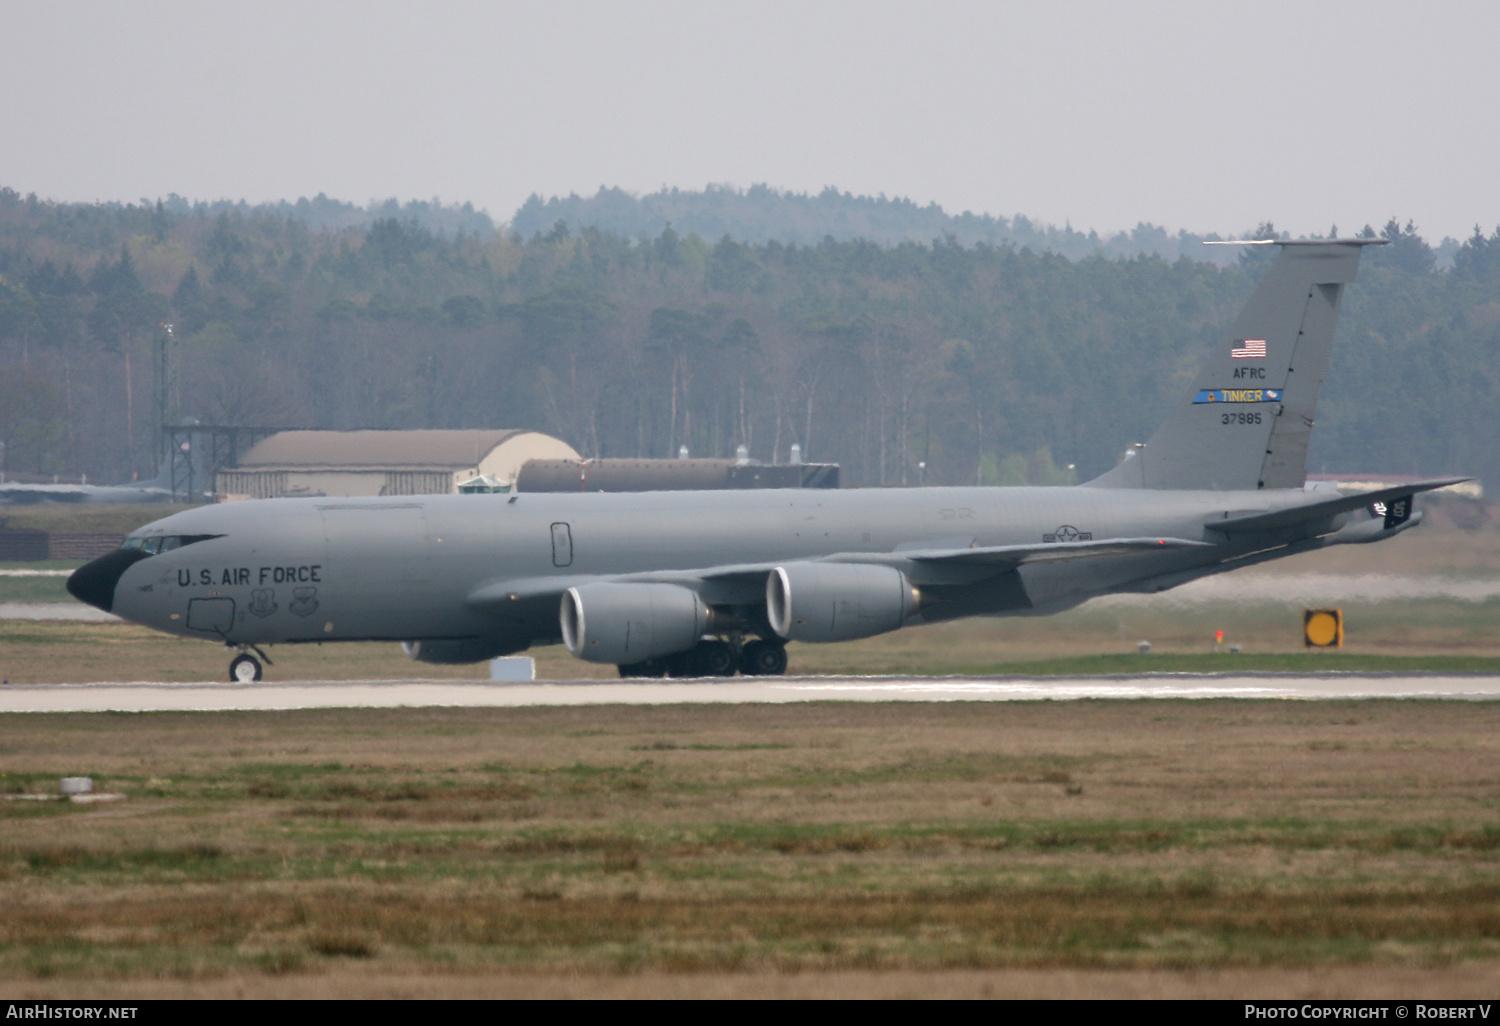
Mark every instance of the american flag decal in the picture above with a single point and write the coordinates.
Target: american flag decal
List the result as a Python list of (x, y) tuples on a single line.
[(1249, 349)]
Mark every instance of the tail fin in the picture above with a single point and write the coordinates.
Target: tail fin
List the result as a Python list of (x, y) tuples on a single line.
[(1250, 417)]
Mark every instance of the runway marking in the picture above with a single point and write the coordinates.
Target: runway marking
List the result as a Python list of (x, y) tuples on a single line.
[(55, 611), (223, 697), (1028, 690)]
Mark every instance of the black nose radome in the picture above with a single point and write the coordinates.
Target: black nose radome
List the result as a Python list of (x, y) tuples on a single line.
[(95, 582)]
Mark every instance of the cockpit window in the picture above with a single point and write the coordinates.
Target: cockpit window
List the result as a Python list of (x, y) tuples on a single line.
[(160, 543)]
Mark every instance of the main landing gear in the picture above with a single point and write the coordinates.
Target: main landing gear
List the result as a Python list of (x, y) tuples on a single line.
[(764, 657), (245, 668)]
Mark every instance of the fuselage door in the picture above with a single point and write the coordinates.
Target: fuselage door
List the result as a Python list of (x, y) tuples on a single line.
[(211, 615), (562, 545)]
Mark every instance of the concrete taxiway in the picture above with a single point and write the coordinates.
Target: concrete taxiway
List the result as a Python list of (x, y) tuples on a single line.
[(148, 697)]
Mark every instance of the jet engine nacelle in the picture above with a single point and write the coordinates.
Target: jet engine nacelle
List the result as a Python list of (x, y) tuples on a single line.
[(630, 623), (837, 601)]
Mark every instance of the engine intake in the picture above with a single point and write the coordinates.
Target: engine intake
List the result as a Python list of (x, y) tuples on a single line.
[(630, 623), (837, 601)]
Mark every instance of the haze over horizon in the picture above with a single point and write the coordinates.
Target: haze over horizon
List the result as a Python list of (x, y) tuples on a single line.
[(1188, 116)]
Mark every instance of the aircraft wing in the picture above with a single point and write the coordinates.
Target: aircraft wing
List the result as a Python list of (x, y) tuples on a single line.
[(28, 495), (1297, 515), (495, 594), (991, 560), (1001, 556), (744, 582)]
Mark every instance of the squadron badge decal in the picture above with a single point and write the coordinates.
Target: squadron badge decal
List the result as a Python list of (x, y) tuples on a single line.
[(304, 601), (263, 602)]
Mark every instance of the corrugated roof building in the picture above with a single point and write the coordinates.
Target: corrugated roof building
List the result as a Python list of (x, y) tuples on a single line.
[(354, 463), (643, 475)]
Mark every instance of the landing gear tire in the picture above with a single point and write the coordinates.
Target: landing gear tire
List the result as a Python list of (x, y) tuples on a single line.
[(705, 659), (714, 659), (244, 669), (763, 658), (646, 668), (682, 664)]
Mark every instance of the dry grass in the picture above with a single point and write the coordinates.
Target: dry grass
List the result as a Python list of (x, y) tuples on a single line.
[(103, 517), (1459, 538), (1149, 848), (1456, 982)]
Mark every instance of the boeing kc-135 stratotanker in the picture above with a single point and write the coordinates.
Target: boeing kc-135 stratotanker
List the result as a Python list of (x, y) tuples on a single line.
[(707, 583)]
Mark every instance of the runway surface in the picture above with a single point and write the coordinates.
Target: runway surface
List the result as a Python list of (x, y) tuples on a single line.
[(55, 611), (146, 697)]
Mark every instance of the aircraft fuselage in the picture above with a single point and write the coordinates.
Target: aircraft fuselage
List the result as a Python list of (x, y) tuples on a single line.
[(302, 570)]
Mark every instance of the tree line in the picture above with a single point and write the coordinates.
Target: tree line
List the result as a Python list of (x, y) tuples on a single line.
[(937, 361), (763, 214)]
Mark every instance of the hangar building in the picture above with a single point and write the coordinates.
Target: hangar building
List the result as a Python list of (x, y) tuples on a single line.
[(642, 475), (352, 463)]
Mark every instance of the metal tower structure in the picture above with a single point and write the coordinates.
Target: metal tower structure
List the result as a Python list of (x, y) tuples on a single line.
[(202, 450), (167, 393)]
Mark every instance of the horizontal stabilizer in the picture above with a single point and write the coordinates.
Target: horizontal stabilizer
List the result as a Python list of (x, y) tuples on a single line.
[(1296, 242), (1282, 518)]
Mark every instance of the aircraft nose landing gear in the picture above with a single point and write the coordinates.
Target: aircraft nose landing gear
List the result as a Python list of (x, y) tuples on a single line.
[(245, 668)]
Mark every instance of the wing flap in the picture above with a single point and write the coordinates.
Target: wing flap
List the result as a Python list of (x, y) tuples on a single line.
[(1016, 555)]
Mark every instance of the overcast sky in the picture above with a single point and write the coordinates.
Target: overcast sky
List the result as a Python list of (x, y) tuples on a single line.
[(1207, 116)]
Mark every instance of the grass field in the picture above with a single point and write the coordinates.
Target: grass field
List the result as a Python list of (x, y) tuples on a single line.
[(86, 517), (47, 652), (1152, 848), (35, 589)]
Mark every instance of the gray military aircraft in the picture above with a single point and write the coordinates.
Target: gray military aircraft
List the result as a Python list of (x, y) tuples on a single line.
[(14, 493), (707, 583)]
